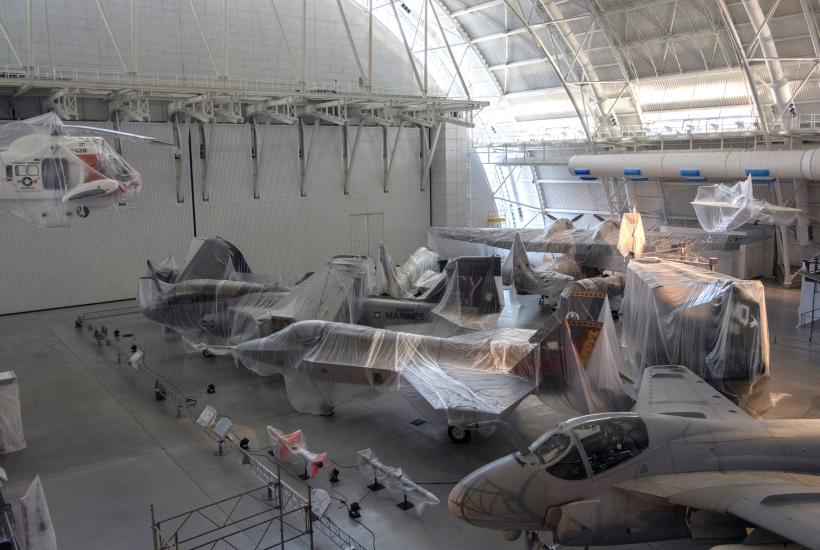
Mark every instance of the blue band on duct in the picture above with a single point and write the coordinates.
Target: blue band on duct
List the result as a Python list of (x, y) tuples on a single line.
[(632, 171), (689, 172), (757, 172), (582, 171)]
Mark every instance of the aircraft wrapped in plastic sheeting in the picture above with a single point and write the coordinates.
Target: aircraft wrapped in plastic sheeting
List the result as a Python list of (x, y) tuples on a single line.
[(568, 364), (209, 300), (725, 208), (547, 280), (713, 324), (417, 274), (215, 300), (686, 463), (395, 480), (598, 249), (52, 172), (287, 447), (594, 248)]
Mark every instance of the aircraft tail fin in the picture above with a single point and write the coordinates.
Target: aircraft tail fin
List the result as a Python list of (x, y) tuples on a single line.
[(472, 282), (215, 258)]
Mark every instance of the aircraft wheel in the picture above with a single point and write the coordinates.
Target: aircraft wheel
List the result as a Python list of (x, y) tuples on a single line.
[(459, 435), (83, 211), (207, 354)]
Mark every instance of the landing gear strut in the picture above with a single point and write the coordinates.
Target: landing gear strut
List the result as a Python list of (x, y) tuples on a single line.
[(459, 435)]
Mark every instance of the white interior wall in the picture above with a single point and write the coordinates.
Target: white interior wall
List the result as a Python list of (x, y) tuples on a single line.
[(100, 258), (71, 34), (282, 233)]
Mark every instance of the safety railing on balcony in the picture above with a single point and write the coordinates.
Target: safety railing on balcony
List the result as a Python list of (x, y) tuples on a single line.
[(10, 75)]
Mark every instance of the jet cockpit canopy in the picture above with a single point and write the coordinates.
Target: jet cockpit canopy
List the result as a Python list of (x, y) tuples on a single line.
[(589, 445)]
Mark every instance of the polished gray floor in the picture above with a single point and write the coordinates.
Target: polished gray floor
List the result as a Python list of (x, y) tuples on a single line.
[(106, 450)]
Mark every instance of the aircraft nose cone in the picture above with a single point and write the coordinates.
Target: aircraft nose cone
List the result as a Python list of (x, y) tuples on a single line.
[(504, 494)]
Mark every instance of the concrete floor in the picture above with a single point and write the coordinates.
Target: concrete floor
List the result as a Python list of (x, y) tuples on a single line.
[(106, 450)]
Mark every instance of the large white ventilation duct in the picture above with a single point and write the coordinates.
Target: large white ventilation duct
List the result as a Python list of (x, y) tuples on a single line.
[(701, 166)]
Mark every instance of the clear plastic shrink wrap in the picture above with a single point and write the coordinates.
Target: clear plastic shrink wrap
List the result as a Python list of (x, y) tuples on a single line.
[(679, 314), (395, 480), (547, 280), (569, 363), (611, 285), (293, 448), (52, 172), (11, 418), (473, 295), (38, 530), (407, 279), (561, 238), (725, 208), (209, 301)]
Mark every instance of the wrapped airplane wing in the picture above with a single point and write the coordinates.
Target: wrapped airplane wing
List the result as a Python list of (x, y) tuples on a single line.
[(569, 364)]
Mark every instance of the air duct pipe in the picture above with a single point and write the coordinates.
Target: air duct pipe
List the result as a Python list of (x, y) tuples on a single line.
[(699, 167), (781, 90)]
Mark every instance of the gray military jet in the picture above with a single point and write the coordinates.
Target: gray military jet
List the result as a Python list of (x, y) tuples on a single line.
[(215, 299), (686, 463), (570, 363)]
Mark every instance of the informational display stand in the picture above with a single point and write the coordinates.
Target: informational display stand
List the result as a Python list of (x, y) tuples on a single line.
[(11, 418)]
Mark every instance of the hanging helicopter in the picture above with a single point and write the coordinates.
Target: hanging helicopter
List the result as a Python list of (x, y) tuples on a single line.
[(51, 172)]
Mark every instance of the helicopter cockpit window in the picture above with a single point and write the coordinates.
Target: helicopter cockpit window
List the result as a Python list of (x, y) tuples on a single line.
[(610, 441), (552, 447)]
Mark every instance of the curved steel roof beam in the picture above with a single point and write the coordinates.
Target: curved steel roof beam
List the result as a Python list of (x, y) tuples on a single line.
[(582, 116)]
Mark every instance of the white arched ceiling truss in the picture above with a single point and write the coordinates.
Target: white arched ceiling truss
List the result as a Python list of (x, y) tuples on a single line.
[(589, 69)]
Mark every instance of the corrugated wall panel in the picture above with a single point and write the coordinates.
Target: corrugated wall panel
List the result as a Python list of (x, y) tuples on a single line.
[(285, 234)]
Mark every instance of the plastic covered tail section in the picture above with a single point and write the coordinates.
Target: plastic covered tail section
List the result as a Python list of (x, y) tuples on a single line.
[(471, 295), (547, 280), (51, 173), (711, 323), (579, 359), (214, 258), (724, 208), (410, 279)]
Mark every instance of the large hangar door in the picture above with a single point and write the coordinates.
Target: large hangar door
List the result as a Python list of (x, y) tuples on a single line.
[(366, 230)]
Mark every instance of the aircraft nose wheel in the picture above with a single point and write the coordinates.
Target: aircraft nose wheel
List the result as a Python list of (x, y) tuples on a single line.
[(83, 211), (459, 435), (207, 354)]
